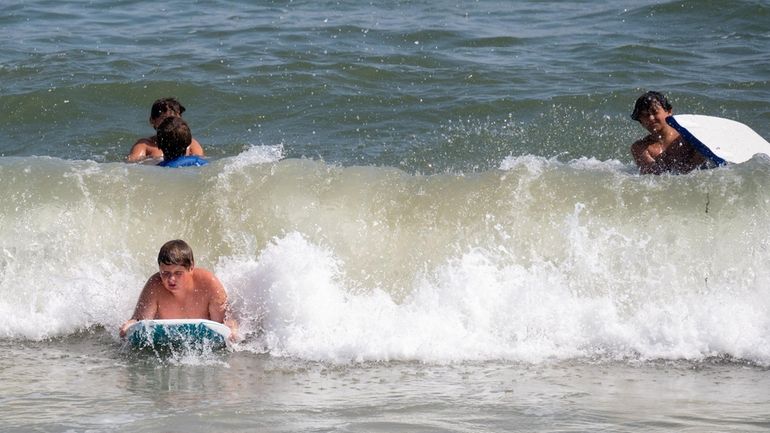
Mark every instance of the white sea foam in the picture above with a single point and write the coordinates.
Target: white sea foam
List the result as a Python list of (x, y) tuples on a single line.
[(254, 155), (536, 164), (479, 307)]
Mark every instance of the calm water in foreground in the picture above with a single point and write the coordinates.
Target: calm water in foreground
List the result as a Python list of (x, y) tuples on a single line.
[(82, 384)]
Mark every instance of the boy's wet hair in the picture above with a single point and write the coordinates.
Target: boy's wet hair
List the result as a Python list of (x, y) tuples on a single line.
[(166, 107), (648, 101), (176, 252), (173, 136)]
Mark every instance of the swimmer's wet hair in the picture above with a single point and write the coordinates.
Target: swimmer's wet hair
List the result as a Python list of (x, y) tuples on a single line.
[(173, 136), (166, 107), (176, 252), (649, 100)]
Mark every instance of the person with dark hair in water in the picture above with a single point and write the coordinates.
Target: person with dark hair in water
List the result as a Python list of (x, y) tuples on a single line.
[(148, 147), (173, 138), (663, 149)]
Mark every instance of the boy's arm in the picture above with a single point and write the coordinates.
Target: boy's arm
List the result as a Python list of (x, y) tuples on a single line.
[(219, 307), (146, 306), (138, 151), (194, 148), (645, 161)]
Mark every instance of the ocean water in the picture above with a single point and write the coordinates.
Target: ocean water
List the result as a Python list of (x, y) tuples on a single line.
[(425, 214)]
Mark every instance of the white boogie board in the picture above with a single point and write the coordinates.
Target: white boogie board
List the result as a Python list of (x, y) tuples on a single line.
[(718, 139), (162, 334)]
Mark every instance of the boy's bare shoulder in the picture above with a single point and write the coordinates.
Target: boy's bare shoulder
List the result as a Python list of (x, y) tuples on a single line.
[(145, 143), (144, 148), (155, 282), (202, 273), (206, 277), (643, 143)]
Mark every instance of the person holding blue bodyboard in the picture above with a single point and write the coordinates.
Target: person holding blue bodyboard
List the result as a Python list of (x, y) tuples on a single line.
[(663, 149), (179, 290), (146, 148), (174, 137)]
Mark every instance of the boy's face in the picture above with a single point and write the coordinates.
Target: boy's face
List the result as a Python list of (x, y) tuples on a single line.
[(654, 119), (176, 277)]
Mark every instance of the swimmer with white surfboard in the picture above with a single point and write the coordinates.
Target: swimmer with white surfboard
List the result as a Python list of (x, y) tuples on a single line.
[(685, 142), (180, 303)]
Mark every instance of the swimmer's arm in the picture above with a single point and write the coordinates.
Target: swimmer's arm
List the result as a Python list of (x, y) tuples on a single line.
[(219, 306), (646, 163), (138, 151), (146, 306), (194, 148)]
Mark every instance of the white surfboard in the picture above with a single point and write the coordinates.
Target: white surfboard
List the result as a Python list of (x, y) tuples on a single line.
[(161, 334), (718, 139)]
